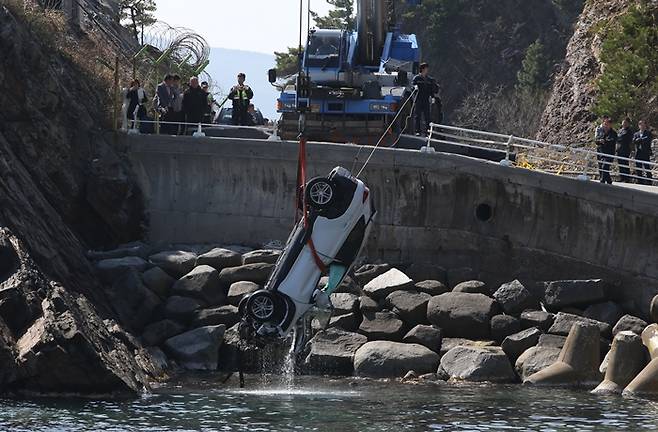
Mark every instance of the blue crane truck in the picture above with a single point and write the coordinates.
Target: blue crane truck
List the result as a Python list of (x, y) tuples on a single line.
[(351, 84)]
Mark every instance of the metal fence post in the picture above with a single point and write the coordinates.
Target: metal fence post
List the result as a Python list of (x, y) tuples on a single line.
[(507, 162)]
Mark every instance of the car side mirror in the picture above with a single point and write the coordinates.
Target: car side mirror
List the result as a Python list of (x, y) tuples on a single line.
[(271, 75)]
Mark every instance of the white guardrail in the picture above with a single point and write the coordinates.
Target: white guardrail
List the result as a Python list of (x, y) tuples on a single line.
[(195, 129), (578, 162)]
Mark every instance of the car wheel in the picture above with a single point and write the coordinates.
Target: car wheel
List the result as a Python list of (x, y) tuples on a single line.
[(262, 306), (320, 193)]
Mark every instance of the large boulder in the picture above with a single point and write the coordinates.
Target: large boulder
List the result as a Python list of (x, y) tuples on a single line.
[(564, 322), (177, 262), (425, 335), (536, 318), (449, 343), (630, 323), (332, 352), (535, 359), (470, 363), (201, 283), (368, 272), (158, 281), (386, 283), (261, 256), (257, 273), (514, 298), (349, 322), (220, 258), (344, 303), (462, 314), (411, 306), (423, 271), (560, 294), (180, 308), (134, 304), (514, 345), (381, 359), (227, 315), (112, 268), (237, 290), (473, 287), (157, 332), (197, 349), (607, 312), (431, 287), (382, 326), (369, 305), (503, 326)]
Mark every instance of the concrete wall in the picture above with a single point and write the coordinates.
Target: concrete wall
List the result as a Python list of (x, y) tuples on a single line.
[(543, 227)]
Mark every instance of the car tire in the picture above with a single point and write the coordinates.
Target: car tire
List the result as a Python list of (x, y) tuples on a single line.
[(320, 193)]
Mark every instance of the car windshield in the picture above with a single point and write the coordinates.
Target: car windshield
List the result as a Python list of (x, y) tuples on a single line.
[(323, 51)]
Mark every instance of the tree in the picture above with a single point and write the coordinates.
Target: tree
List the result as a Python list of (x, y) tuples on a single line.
[(287, 63), (137, 14), (534, 73), (341, 17)]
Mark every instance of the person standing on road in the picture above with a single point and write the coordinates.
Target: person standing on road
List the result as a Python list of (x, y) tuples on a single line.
[(241, 96), (624, 149), (606, 139), (642, 140), (427, 90), (195, 101), (164, 103)]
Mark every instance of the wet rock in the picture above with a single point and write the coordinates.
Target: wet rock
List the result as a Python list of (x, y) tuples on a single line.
[(514, 298), (449, 343), (257, 273), (226, 315), (564, 322), (535, 359), (368, 272), (368, 305), (514, 345), (176, 263), (382, 326), (425, 335), (536, 318), (158, 281), (197, 349), (410, 376), (381, 359), (630, 323), (268, 256), (608, 312), (473, 287), (235, 355), (420, 272), (344, 303), (455, 276), (560, 294), (134, 304), (469, 363), (220, 258), (626, 359), (180, 308), (203, 284), (332, 352), (462, 314), (503, 326), (237, 290), (431, 287), (158, 332), (384, 284), (348, 322), (111, 269), (411, 306)]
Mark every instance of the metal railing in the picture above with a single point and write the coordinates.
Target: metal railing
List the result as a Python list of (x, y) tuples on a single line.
[(578, 162), (133, 127)]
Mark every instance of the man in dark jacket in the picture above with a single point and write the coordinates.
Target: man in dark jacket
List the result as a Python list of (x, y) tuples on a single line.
[(606, 139), (427, 90), (642, 140), (241, 96), (195, 101), (624, 148)]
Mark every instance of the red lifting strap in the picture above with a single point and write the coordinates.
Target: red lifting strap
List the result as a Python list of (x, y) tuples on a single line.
[(301, 197)]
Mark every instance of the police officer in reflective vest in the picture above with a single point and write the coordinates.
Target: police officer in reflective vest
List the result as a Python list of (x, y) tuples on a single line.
[(241, 96)]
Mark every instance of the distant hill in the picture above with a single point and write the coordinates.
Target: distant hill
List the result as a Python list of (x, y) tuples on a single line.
[(225, 64)]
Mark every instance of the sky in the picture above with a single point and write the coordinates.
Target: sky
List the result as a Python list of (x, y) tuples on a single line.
[(251, 25)]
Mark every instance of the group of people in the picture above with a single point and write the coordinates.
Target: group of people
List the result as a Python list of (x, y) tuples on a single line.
[(625, 144)]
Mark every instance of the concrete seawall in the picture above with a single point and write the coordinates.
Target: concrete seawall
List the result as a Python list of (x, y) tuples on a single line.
[(437, 208)]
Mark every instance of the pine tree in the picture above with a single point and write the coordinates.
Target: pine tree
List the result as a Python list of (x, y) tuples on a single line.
[(534, 71), (137, 14), (341, 17), (287, 63)]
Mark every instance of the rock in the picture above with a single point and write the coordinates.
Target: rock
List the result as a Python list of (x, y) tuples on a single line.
[(349, 322), (560, 294), (368, 305), (536, 318), (553, 341), (473, 287), (630, 323), (410, 376), (469, 363), (608, 312), (227, 315), (176, 263), (462, 314), (133, 302), (157, 332), (203, 284), (235, 355), (503, 326), (158, 281), (268, 256), (514, 345), (111, 269), (431, 287), (332, 352), (257, 273), (381, 359), (238, 290), (344, 303), (368, 272), (382, 326), (646, 382), (219, 259), (653, 310), (626, 359), (425, 335), (158, 361), (455, 276), (136, 249), (384, 284), (514, 298), (535, 359), (449, 343), (564, 321), (411, 306), (420, 272), (180, 308), (197, 349)]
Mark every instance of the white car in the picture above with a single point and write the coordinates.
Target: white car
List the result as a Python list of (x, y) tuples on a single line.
[(339, 216)]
